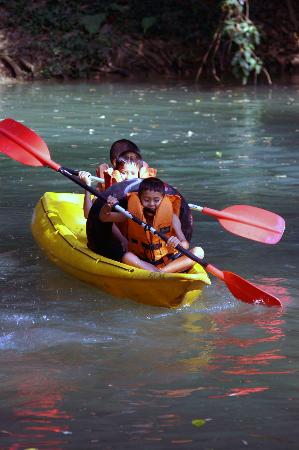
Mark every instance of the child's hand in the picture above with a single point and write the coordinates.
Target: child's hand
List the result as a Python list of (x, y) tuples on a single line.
[(101, 169), (172, 242), (143, 173), (85, 176), (111, 201), (200, 252)]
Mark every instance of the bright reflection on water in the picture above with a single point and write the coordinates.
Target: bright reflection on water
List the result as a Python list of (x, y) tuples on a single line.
[(80, 369)]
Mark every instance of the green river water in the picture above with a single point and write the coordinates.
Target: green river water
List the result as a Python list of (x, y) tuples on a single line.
[(83, 370)]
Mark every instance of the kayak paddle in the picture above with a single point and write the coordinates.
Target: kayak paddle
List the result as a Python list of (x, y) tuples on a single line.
[(243, 220), (14, 143), (247, 221)]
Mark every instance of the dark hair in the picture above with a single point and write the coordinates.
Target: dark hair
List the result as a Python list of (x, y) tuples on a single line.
[(122, 146), (123, 159), (151, 184)]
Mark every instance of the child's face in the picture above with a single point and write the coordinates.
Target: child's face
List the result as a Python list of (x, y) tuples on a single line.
[(129, 171), (128, 154), (150, 200)]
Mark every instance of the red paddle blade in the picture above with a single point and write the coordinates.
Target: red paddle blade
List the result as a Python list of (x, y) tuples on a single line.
[(253, 223), (247, 292), (22, 144)]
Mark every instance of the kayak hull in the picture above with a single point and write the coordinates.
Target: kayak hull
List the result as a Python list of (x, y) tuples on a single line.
[(58, 226)]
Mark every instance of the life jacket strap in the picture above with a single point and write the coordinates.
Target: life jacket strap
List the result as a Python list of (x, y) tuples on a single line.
[(164, 260), (151, 246), (148, 246)]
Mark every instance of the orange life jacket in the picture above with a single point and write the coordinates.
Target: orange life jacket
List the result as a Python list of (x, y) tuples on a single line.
[(114, 176), (143, 243), (146, 171), (111, 177), (100, 172)]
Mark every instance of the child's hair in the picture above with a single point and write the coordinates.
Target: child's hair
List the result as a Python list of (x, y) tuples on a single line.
[(151, 184), (121, 146), (123, 159)]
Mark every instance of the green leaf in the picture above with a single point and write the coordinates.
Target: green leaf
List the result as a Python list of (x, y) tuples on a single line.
[(247, 54), (244, 27), (148, 22), (120, 8), (257, 39), (92, 23), (198, 422), (258, 69)]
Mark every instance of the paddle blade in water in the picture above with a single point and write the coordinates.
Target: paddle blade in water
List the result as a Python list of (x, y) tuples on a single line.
[(247, 292), (253, 223), (22, 144)]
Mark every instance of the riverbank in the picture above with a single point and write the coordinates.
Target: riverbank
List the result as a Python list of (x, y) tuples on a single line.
[(38, 43)]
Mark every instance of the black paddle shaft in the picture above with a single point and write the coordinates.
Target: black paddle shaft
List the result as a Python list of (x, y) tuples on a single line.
[(67, 173)]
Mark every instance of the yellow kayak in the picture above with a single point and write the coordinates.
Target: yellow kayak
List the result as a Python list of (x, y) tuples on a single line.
[(58, 226)]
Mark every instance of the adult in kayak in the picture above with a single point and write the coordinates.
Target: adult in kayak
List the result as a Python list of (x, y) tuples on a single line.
[(158, 207)]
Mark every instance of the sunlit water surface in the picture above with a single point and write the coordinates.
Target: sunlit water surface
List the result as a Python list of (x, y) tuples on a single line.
[(81, 369)]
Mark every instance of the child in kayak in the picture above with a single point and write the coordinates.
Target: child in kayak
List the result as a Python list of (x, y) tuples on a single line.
[(121, 152), (127, 149), (145, 251), (126, 168)]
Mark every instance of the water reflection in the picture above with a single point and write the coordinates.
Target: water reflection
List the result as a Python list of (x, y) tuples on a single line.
[(153, 392), (247, 356), (243, 350), (40, 418), (275, 287)]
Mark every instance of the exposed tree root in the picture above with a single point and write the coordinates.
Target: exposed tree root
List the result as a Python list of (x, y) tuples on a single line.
[(19, 68)]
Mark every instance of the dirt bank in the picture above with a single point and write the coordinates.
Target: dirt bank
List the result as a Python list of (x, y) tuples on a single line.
[(31, 52)]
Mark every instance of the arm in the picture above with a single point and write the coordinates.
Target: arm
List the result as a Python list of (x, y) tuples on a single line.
[(173, 241), (87, 204), (100, 172), (85, 176), (176, 225), (106, 214)]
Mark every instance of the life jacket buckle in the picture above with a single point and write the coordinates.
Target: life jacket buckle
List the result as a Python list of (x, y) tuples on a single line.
[(151, 246), (165, 230)]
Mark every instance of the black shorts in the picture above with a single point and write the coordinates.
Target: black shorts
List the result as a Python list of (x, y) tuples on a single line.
[(112, 250), (100, 237)]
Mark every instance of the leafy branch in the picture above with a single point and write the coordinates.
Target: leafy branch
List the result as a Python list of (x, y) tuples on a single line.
[(238, 38)]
